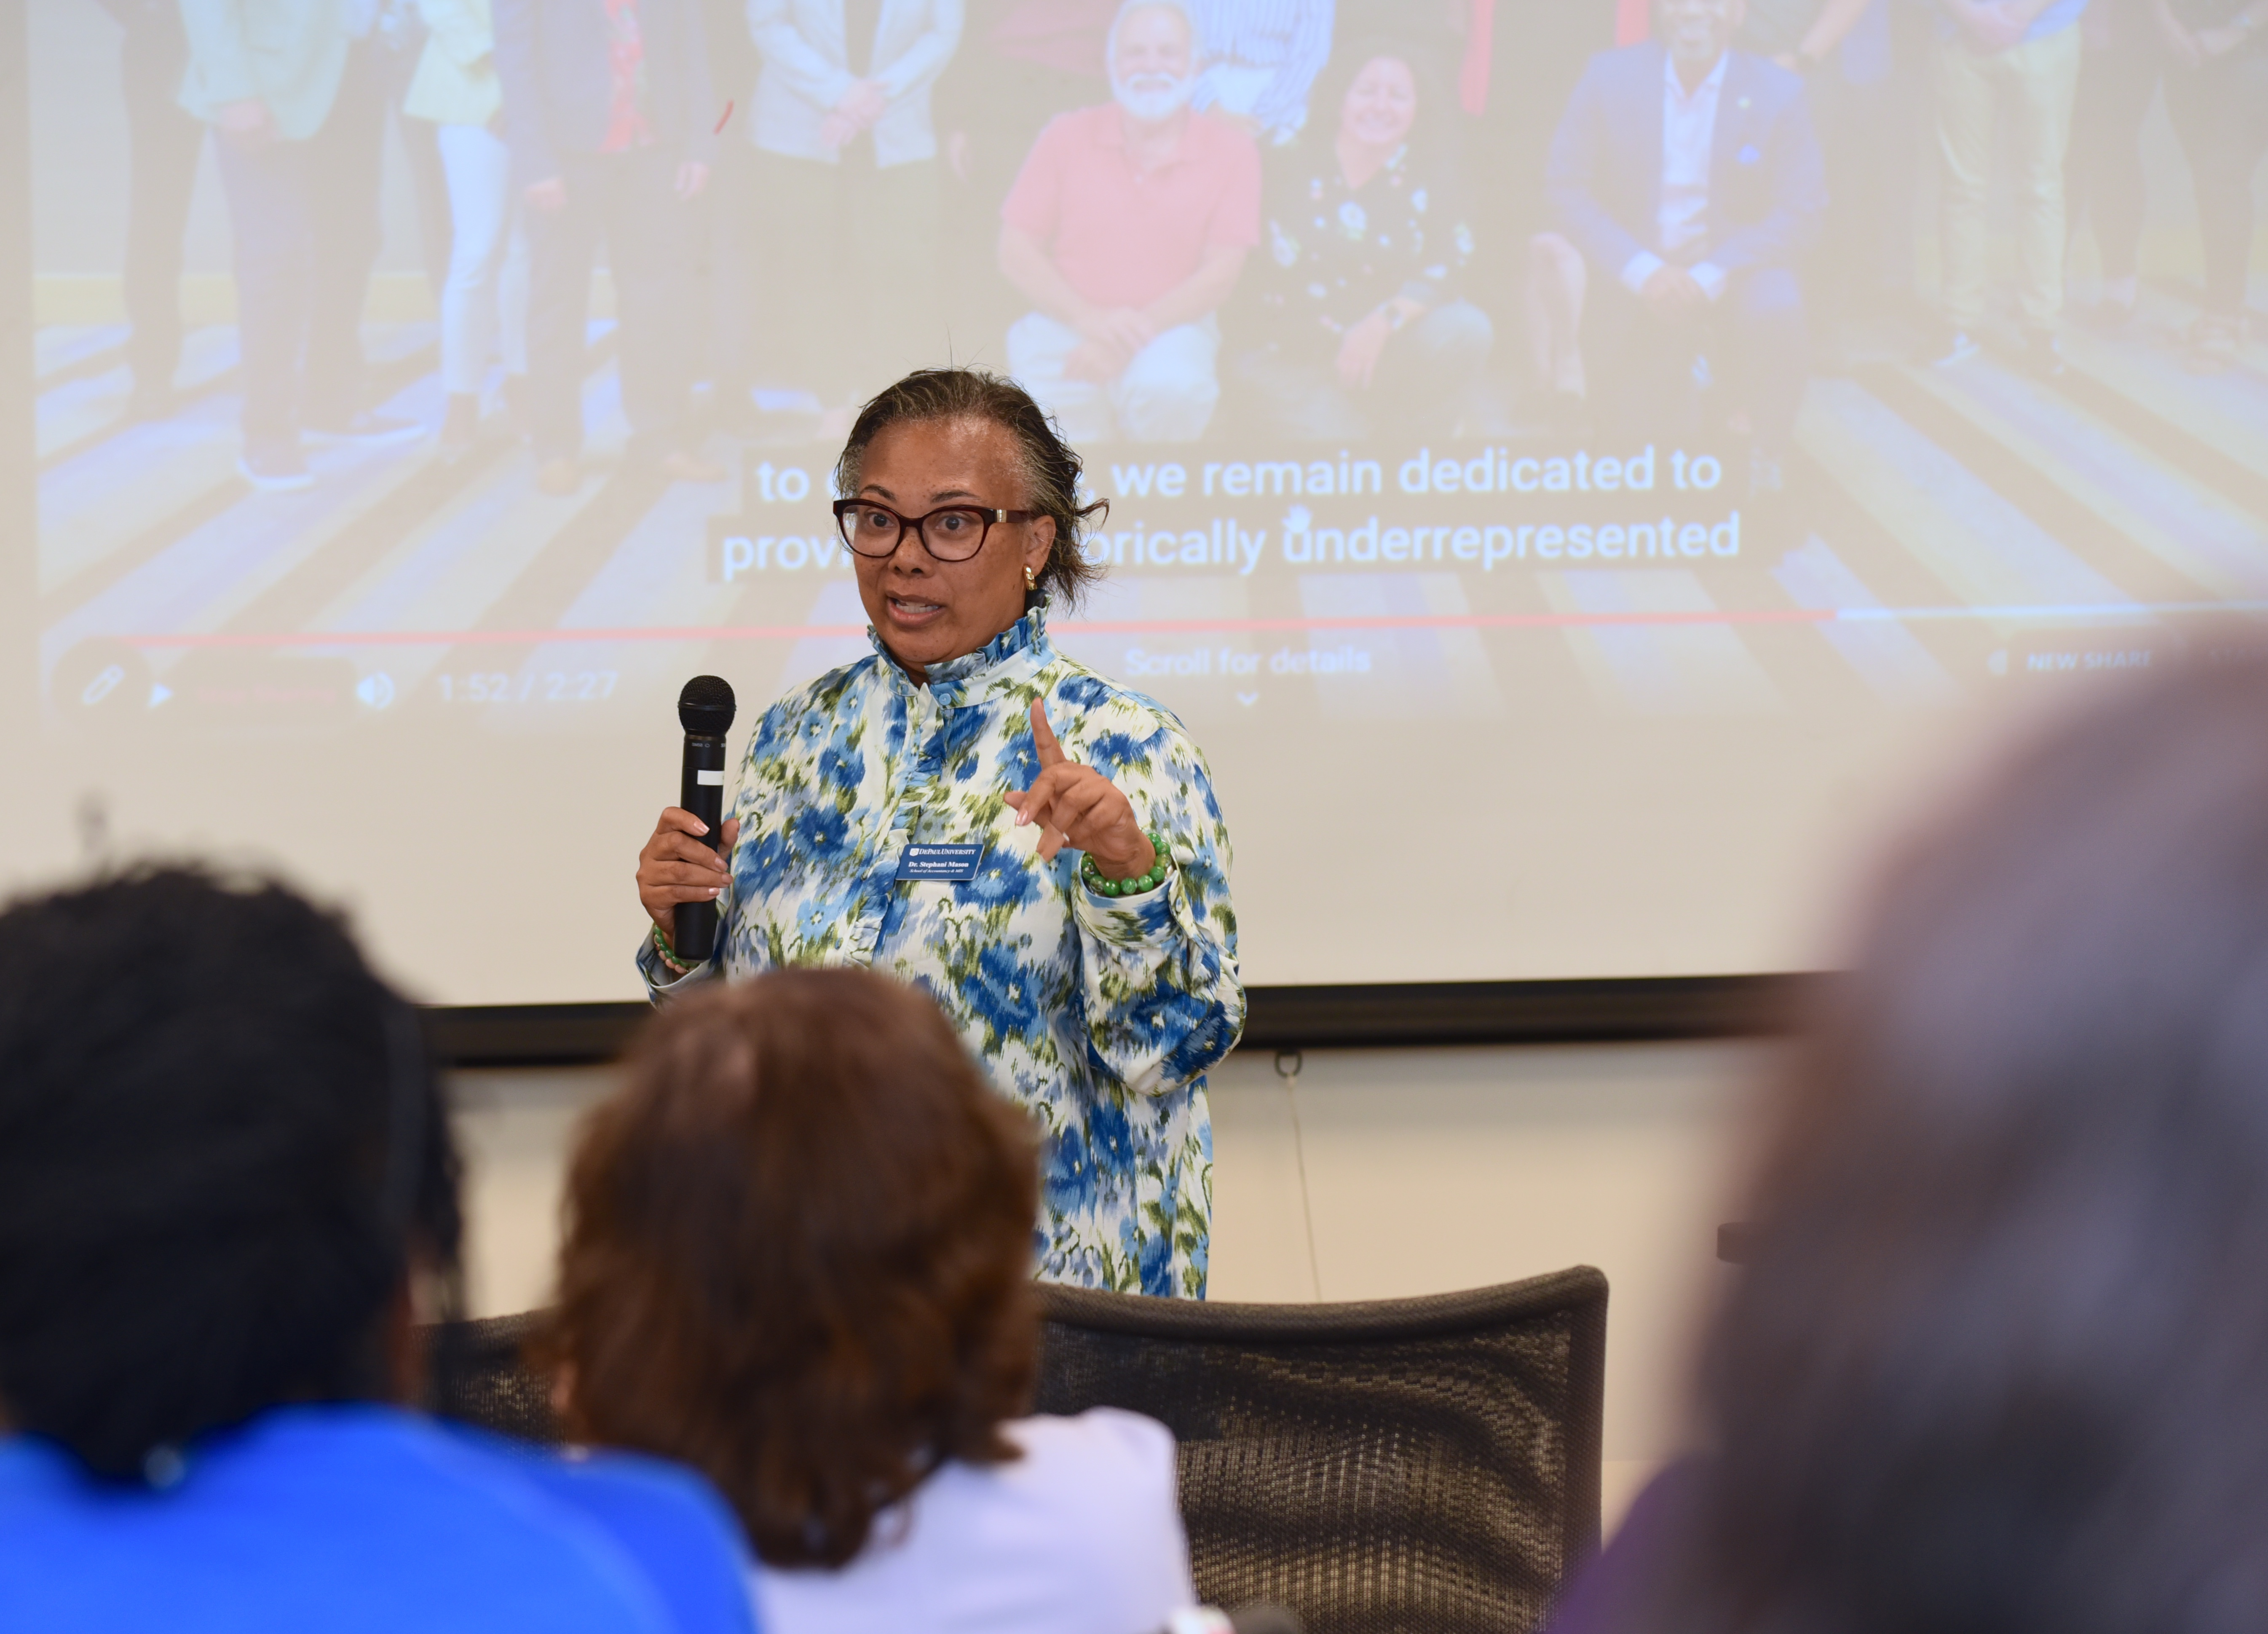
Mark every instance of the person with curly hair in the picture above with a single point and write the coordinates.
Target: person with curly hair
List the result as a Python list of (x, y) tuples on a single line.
[(227, 1182), (797, 1256)]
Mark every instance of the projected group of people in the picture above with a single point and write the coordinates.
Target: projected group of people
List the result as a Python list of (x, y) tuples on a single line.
[(1292, 218)]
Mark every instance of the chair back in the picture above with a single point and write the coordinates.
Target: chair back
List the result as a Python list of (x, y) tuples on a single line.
[(1395, 1465), (478, 1372), (1401, 1464)]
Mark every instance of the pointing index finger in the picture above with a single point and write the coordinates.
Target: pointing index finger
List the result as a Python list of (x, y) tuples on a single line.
[(1044, 736)]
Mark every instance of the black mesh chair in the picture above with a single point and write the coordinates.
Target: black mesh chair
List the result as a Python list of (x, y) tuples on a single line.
[(478, 1372), (1404, 1464)]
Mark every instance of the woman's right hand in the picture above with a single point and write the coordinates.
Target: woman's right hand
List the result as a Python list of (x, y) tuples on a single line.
[(676, 866)]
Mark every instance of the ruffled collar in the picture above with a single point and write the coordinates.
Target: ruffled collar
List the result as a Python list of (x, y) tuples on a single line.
[(1008, 663)]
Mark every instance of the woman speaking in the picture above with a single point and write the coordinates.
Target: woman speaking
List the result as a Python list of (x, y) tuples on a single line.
[(1036, 847)]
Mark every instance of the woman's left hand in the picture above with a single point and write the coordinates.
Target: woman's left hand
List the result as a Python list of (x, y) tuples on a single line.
[(1077, 806)]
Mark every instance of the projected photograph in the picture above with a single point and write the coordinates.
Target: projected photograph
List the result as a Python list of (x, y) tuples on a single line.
[(1414, 357), (1546, 391)]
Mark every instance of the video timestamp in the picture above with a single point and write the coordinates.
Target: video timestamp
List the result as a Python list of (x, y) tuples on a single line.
[(582, 686)]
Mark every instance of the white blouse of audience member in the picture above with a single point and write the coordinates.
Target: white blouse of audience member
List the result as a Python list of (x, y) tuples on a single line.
[(1080, 1535)]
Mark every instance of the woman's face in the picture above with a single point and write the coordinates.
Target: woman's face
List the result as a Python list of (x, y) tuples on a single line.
[(1382, 105), (927, 611)]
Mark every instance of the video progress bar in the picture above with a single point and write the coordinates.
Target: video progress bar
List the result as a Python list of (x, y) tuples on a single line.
[(2090, 612)]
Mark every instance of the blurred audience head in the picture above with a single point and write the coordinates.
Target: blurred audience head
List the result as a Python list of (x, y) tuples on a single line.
[(1050, 466), (798, 1256), (2000, 1361), (222, 1152), (1154, 58)]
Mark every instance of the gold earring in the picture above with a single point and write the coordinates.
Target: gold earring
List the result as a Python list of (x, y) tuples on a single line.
[(1031, 579)]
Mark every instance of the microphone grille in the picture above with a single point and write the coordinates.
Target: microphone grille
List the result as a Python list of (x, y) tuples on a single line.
[(706, 705)]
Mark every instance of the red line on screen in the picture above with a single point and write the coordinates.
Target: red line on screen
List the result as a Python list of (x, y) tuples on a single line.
[(1128, 627)]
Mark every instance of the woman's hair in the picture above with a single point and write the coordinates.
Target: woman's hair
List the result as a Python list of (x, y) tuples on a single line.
[(2000, 1360), (220, 1143), (798, 1256), (1051, 469)]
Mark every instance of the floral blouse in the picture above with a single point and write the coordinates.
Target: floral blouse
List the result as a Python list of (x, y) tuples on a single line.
[(1100, 1015), (1339, 253)]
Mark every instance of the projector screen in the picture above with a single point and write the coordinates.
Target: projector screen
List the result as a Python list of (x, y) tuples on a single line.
[(1548, 599)]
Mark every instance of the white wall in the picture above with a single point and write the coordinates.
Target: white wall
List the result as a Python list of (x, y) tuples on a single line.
[(1426, 1170)]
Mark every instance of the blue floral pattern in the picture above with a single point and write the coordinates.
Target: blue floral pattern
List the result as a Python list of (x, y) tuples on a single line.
[(1101, 1015)]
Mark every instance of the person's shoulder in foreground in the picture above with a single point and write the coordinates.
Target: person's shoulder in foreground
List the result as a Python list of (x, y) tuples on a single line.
[(348, 1517), (1081, 1534)]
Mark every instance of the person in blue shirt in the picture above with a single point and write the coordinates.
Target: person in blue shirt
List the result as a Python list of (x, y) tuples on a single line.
[(226, 1179)]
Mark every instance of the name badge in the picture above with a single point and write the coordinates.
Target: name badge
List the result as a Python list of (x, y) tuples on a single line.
[(940, 862)]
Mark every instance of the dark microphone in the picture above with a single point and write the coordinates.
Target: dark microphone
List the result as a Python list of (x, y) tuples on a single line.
[(704, 708)]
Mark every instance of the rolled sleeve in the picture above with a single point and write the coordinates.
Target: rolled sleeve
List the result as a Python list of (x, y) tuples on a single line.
[(660, 981)]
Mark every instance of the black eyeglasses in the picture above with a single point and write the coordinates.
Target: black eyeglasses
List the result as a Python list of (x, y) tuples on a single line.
[(950, 533)]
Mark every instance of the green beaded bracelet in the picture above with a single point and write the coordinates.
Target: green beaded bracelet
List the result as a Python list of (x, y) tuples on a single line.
[(1140, 883), (668, 953)]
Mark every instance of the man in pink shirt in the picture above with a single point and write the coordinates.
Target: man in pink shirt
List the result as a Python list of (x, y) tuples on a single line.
[(1126, 229)]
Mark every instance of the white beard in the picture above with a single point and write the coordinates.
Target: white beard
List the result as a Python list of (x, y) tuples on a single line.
[(1153, 97)]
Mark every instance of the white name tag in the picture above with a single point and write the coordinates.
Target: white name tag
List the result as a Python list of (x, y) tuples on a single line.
[(709, 779)]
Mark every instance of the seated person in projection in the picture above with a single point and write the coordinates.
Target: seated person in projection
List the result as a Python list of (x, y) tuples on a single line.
[(798, 1256), (1366, 251), (1688, 176), (226, 1178), (1126, 229), (1261, 58)]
